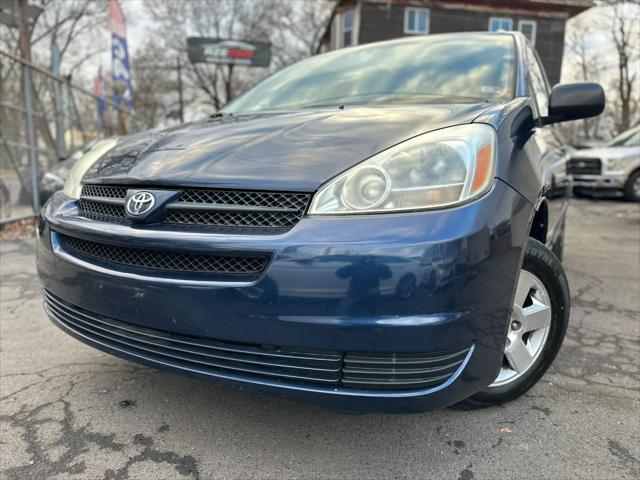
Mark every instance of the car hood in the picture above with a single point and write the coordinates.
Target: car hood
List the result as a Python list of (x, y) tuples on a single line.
[(608, 152), (295, 151)]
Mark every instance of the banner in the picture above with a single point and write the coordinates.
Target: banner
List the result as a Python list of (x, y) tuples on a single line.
[(99, 95), (121, 72)]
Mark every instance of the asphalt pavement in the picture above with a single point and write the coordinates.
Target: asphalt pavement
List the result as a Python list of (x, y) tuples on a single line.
[(70, 412)]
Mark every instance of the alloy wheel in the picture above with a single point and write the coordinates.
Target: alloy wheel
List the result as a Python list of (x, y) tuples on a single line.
[(528, 329)]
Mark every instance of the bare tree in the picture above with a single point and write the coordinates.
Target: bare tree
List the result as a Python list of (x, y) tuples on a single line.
[(585, 65), (292, 27), (625, 32), (157, 97), (73, 26)]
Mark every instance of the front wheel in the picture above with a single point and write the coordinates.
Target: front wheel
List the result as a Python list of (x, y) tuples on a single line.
[(536, 330), (632, 187)]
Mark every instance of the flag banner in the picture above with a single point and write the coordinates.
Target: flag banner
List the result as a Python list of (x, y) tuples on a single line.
[(121, 71), (99, 94)]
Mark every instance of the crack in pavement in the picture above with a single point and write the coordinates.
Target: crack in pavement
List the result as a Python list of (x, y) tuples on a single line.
[(76, 441)]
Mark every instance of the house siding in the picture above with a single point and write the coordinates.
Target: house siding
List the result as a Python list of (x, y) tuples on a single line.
[(385, 21)]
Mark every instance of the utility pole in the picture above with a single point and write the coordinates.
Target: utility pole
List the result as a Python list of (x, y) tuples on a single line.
[(229, 89), (180, 99), (24, 44)]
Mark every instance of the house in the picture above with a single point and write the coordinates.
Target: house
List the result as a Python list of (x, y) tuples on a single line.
[(355, 22)]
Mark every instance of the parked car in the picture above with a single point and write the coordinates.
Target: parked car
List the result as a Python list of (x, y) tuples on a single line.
[(286, 244), (614, 167)]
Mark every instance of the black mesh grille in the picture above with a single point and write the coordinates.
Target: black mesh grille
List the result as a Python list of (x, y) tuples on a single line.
[(297, 201), (168, 261), (584, 166), (211, 207), (99, 210), (105, 191), (233, 219)]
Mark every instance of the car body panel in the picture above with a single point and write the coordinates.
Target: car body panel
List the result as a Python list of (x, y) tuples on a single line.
[(483, 241), (411, 282), (280, 151)]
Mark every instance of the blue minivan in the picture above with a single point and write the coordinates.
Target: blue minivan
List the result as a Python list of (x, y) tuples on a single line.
[(377, 228)]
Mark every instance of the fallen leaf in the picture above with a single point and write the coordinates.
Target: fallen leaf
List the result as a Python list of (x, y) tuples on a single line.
[(505, 430)]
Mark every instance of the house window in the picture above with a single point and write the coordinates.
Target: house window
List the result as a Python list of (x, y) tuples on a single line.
[(497, 24), (347, 28), (416, 21), (528, 28)]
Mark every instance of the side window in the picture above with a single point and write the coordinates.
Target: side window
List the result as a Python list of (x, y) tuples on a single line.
[(537, 83)]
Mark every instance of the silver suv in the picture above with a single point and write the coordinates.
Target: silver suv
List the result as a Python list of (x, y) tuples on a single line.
[(615, 166)]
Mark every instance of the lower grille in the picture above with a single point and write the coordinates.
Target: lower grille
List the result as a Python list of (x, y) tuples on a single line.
[(190, 353), (166, 260), (400, 371), (352, 371), (584, 166)]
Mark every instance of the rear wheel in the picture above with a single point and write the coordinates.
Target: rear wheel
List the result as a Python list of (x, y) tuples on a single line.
[(632, 187), (536, 329)]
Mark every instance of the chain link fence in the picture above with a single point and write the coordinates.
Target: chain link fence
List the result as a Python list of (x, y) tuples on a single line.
[(46, 122)]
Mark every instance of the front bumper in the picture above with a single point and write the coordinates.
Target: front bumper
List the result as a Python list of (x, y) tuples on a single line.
[(446, 281), (612, 181)]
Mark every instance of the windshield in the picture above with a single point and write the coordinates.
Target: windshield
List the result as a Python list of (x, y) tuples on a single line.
[(423, 70), (630, 138)]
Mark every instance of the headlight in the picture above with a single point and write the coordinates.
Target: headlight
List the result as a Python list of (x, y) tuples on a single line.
[(73, 185), (618, 164), (440, 168)]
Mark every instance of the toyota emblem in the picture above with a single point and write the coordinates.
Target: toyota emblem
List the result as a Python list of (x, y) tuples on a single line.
[(140, 203)]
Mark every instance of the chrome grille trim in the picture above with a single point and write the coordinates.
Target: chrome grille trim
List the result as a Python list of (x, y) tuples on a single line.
[(214, 357), (205, 207), (182, 351), (401, 371)]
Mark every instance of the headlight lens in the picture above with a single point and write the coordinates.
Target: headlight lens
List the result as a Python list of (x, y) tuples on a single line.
[(440, 168), (73, 184), (618, 164)]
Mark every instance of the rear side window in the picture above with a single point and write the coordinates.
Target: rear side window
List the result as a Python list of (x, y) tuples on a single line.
[(537, 82)]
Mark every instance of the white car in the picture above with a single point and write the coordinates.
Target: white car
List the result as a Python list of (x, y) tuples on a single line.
[(616, 166)]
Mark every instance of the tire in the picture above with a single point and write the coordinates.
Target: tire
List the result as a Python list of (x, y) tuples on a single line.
[(631, 187), (545, 267)]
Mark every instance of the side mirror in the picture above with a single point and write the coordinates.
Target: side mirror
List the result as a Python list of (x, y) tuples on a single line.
[(572, 101)]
